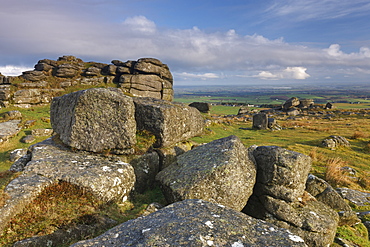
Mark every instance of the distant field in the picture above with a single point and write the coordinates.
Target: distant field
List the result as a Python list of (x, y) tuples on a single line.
[(344, 97)]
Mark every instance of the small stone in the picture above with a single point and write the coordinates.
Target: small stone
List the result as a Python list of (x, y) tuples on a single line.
[(28, 139)]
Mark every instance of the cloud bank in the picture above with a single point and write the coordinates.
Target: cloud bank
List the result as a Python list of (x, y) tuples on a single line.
[(191, 53)]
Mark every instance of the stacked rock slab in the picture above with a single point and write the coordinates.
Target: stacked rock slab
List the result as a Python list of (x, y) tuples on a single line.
[(279, 196), (170, 122), (95, 120), (150, 78), (146, 77), (195, 223), (220, 172)]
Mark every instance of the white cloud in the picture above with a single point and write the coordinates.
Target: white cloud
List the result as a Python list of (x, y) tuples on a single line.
[(140, 24), (297, 73), (203, 76), (10, 70)]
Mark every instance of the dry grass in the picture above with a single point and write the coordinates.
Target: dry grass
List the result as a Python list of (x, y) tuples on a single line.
[(57, 205), (317, 156), (335, 175), (359, 135), (3, 198)]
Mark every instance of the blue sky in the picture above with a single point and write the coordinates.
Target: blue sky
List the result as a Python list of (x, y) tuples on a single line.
[(203, 42)]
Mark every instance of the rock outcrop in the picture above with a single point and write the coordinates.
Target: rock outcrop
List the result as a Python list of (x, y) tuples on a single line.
[(220, 172), (201, 106), (146, 77), (279, 196), (9, 129), (195, 223), (170, 122), (294, 103), (324, 193), (260, 121), (95, 120), (333, 142)]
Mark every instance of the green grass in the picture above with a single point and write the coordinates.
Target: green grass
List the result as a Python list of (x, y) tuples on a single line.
[(40, 114)]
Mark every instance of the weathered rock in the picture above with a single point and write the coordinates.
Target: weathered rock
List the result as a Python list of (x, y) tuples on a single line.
[(42, 132), (356, 197), (201, 106), (95, 119), (70, 58), (333, 142), (67, 70), (39, 84), (305, 103), (50, 62), (292, 112), (9, 129), (93, 71), (27, 96), (17, 153), (281, 173), (22, 190), (40, 66), (195, 223), (20, 163), (28, 139), (220, 172), (329, 106), (168, 155), (110, 69), (146, 167), (108, 179), (292, 102), (279, 196), (12, 115), (170, 122), (5, 92), (243, 110), (29, 123), (314, 222), (94, 225), (324, 193), (151, 208), (153, 66), (92, 81), (33, 75), (260, 121)]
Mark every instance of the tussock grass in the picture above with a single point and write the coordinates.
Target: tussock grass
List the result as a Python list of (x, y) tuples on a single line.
[(67, 204), (335, 175), (359, 135)]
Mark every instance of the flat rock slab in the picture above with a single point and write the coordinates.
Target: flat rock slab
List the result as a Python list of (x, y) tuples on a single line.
[(108, 179), (358, 198), (195, 223), (9, 129), (220, 172), (22, 191)]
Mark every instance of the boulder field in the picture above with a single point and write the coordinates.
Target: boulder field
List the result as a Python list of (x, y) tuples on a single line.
[(219, 194)]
